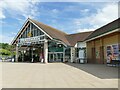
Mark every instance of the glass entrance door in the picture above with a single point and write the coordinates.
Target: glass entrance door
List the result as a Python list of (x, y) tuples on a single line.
[(55, 57)]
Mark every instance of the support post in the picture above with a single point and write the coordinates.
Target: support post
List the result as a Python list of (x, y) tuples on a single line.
[(64, 54), (32, 56), (72, 54), (53, 57), (46, 51), (22, 56), (16, 57)]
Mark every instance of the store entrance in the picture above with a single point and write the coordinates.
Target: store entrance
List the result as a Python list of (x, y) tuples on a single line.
[(55, 57), (31, 53)]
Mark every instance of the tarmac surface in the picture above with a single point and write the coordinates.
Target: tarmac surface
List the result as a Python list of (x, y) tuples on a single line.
[(57, 75)]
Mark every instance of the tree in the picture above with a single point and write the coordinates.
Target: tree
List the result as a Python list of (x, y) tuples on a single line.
[(6, 46), (6, 49), (5, 52)]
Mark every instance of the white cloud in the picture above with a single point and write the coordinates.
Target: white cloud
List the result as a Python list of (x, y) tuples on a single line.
[(13, 33), (79, 0), (55, 11), (2, 16), (26, 8), (16, 8), (103, 16), (84, 11), (5, 38), (85, 30)]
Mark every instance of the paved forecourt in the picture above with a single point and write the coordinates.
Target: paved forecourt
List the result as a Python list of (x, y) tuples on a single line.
[(58, 75), (0, 75)]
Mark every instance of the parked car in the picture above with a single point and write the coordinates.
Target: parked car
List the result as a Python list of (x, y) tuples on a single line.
[(8, 59), (0, 59)]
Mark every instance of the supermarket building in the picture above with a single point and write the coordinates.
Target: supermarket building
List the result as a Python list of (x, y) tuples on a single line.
[(37, 41)]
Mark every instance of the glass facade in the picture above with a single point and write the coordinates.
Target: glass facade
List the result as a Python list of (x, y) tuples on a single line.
[(32, 30), (30, 38), (54, 47)]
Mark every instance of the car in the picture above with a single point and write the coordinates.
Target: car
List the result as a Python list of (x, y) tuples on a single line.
[(9, 59), (0, 59)]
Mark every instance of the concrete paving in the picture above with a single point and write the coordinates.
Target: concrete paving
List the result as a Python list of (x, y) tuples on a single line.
[(0, 75), (58, 75)]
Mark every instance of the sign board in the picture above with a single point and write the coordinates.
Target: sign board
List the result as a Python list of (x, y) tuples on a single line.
[(113, 50), (81, 54), (31, 39)]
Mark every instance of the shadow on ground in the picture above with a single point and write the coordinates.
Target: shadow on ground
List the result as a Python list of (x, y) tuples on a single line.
[(98, 70)]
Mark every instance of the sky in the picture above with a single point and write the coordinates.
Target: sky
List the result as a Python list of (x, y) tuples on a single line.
[(70, 17)]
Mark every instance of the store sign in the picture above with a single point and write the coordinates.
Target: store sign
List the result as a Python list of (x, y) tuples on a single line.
[(31, 39)]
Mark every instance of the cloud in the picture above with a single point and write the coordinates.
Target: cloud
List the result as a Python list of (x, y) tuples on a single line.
[(2, 16), (85, 30), (85, 11), (70, 8), (16, 9), (78, 0), (25, 8), (55, 11), (13, 33), (103, 16), (6, 38)]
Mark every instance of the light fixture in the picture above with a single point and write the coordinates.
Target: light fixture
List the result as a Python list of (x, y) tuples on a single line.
[(33, 48), (60, 45), (24, 51)]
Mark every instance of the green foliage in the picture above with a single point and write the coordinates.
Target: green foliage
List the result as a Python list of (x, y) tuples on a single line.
[(6, 49), (5, 52), (6, 46)]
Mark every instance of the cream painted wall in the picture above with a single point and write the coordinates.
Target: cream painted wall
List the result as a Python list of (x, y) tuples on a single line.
[(80, 44), (111, 39)]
